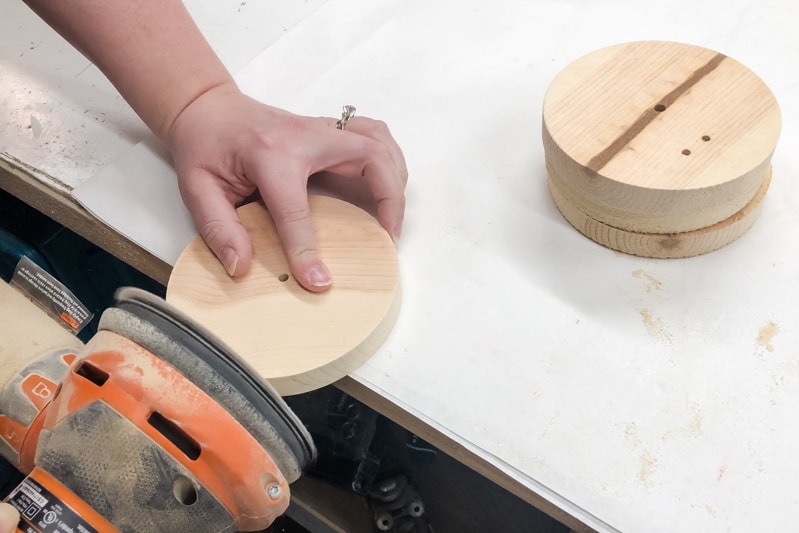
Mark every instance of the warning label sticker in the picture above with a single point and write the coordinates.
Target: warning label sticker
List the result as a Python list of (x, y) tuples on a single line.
[(41, 512), (50, 295)]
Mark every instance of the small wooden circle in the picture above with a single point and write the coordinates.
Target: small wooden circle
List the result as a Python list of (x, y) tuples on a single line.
[(658, 138), (296, 339)]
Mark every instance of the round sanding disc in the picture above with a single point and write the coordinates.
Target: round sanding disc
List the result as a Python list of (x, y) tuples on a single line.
[(297, 339)]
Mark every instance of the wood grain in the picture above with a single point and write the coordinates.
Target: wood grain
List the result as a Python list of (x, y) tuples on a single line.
[(660, 245), (659, 138), (298, 340)]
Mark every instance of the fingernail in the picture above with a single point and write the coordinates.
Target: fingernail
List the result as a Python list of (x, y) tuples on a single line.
[(230, 260), (319, 276), (395, 235)]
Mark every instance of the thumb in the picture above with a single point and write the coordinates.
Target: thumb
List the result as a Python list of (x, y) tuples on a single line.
[(217, 222), (9, 518)]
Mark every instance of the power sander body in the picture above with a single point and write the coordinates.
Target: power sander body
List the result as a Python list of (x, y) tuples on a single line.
[(152, 425)]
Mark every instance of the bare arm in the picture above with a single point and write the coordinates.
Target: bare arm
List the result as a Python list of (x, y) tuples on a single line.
[(225, 145), (151, 50)]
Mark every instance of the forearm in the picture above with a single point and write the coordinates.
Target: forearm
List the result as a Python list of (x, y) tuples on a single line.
[(151, 50)]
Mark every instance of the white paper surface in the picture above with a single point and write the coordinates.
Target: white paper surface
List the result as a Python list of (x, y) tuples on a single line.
[(138, 196), (60, 116), (639, 395)]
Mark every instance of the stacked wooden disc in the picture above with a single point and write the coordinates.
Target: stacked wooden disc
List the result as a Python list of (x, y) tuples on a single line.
[(659, 149), (296, 339)]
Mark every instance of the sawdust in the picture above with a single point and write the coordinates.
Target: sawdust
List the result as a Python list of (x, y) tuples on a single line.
[(695, 426), (648, 465), (652, 283), (654, 325), (631, 434), (766, 335), (257, 423)]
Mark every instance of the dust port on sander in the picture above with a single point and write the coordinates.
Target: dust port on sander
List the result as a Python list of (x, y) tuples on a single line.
[(659, 149)]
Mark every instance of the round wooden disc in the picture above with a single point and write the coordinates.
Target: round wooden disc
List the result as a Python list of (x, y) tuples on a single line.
[(659, 137), (296, 339), (658, 245)]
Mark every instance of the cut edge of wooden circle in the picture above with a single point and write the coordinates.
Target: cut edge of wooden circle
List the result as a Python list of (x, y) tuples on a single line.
[(662, 245), (346, 364), (637, 209)]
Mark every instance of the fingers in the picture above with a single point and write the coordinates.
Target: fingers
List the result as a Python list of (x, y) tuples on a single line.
[(9, 518), (350, 190), (276, 153), (367, 150), (284, 193), (214, 215), (378, 130), (212, 208)]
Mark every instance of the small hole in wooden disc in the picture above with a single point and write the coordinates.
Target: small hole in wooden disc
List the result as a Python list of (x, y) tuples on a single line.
[(283, 277), (660, 108), (706, 138), (686, 152)]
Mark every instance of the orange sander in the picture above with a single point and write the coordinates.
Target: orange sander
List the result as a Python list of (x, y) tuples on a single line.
[(154, 425)]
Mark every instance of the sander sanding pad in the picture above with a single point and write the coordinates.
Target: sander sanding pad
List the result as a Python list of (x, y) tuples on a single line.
[(659, 149), (298, 340)]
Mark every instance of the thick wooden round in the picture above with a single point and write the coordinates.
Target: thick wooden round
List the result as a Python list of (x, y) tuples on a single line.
[(658, 138), (659, 245), (298, 340)]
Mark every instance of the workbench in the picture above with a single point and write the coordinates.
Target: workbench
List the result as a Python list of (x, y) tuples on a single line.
[(614, 392)]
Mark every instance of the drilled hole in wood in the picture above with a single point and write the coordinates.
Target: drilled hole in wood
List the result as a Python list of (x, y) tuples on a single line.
[(283, 277), (706, 138), (660, 108), (686, 152)]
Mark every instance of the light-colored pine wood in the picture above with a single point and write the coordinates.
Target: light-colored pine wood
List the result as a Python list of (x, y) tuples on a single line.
[(296, 339), (27, 332), (659, 245), (659, 138)]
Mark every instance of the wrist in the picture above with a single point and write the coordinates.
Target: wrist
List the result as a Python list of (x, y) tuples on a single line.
[(172, 127)]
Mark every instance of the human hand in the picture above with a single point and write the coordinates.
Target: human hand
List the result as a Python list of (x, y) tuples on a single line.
[(225, 146), (9, 518)]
